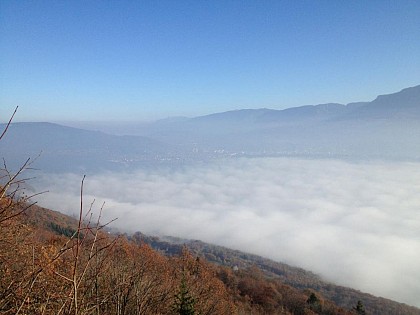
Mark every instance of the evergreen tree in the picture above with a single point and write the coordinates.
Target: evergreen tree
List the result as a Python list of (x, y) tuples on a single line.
[(360, 308), (184, 302), (314, 303)]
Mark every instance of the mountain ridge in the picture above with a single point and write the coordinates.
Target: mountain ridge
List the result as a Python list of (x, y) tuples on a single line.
[(385, 128), (408, 95)]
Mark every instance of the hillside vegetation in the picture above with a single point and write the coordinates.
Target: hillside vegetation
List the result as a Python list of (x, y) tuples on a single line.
[(52, 265), (45, 271), (295, 277)]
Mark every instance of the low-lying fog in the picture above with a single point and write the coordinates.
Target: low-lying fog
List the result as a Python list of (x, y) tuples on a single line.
[(356, 224)]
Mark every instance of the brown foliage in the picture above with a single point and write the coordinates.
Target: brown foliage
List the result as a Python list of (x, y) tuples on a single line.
[(254, 293), (207, 290)]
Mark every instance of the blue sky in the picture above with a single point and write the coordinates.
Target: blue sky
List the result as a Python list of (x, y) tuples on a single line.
[(141, 60)]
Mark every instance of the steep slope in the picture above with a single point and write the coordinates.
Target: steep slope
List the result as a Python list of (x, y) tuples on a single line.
[(295, 277), (402, 105), (79, 268), (291, 285)]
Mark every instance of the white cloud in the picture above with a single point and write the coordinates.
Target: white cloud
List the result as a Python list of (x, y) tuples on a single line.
[(357, 224)]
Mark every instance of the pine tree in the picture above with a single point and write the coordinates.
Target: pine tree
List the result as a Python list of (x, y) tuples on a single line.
[(184, 302), (360, 308), (314, 303)]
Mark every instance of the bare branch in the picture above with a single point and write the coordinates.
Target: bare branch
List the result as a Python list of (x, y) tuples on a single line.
[(8, 124)]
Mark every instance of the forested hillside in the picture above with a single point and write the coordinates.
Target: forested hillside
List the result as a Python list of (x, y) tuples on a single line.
[(53, 265), (79, 269), (295, 277)]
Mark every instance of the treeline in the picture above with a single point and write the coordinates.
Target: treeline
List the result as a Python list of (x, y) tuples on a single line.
[(45, 271), (297, 278)]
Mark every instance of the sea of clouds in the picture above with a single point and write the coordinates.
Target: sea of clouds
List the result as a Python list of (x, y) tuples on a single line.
[(355, 223)]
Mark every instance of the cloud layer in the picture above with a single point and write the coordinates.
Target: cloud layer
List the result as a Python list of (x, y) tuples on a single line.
[(356, 224)]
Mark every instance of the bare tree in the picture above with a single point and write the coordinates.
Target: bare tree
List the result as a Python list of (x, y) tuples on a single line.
[(30, 287)]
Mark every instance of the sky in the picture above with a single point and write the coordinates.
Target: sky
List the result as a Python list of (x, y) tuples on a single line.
[(144, 60), (355, 224)]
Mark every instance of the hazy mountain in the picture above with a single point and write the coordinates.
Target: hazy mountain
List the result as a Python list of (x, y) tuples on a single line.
[(402, 105), (65, 149), (386, 128)]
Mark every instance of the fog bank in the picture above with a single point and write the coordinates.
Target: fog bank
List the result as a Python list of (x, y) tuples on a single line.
[(356, 224)]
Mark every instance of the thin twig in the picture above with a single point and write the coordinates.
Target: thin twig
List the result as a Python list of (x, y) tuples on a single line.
[(8, 124)]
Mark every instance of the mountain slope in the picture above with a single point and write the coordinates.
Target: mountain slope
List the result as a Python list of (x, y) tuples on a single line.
[(66, 149), (60, 224), (295, 277), (48, 221), (388, 127), (402, 105)]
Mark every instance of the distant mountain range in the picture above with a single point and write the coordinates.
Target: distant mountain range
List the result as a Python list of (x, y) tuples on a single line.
[(388, 127), (385, 128), (64, 149)]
